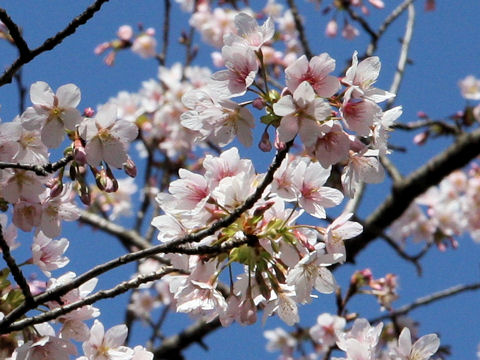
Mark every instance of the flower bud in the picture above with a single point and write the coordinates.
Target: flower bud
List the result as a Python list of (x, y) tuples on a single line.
[(332, 28), (130, 168), (265, 145)]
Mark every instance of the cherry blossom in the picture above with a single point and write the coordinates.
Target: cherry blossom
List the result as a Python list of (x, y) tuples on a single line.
[(315, 72), (242, 67), (107, 345), (52, 113), (423, 349), (325, 329), (302, 113), (9, 233), (107, 138), (249, 32), (47, 254)]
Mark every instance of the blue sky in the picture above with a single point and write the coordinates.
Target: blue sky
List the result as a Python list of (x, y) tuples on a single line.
[(445, 48)]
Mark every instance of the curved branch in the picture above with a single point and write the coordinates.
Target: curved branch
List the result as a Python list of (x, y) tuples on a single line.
[(40, 170), (15, 33), (50, 43), (457, 155)]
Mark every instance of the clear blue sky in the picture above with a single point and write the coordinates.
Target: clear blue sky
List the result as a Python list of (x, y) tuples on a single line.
[(445, 48)]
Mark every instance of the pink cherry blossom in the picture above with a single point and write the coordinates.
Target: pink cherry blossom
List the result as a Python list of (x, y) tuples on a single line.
[(107, 138), (325, 329), (145, 44), (107, 345), (249, 32), (46, 346), (470, 87), (242, 67), (361, 76), (302, 113), (52, 113), (332, 147), (361, 167), (9, 233), (315, 72), (47, 254), (313, 196), (339, 230), (423, 349)]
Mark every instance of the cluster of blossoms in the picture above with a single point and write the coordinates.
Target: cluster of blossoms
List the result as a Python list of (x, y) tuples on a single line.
[(361, 341), (444, 212), (143, 44), (279, 261), (42, 203), (450, 209)]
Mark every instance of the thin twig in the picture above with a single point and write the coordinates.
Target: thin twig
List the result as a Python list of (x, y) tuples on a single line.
[(372, 47), (52, 42), (102, 294), (458, 289), (403, 58), (15, 33), (363, 23), (14, 269), (391, 169), (300, 28), (40, 170), (403, 254)]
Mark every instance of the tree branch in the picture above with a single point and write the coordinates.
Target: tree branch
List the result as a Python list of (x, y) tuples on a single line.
[(102, 294), (40, 170), (460, 153), (15, 270), (428, 300), (372, 47), (300, 28), (15, 33), (50, 43)]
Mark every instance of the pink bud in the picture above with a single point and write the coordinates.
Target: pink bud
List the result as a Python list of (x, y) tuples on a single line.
[(332, 28), (429, 5), (110, 58), (422, 115), (258, 103), (421, 138), (79, 153), (349, 32), (56, 189), (101, 48), (125, 32), (130, 168), (89, 112), (85, 195), (265, 145), (150, 31)]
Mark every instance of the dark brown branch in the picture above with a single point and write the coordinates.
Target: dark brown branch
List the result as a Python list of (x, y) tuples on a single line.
[(428, 300), (15, 33), (459, 154), (102, 294), (14, 269), (363, 23), (300, 28), (50, 43), (40, 170), (173, 346)]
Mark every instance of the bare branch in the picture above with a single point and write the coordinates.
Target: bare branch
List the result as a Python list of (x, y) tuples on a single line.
[(300, 28), (40, 170), (363, 23), (402, 60), (455, 290), (15, 33), (15, 270), (52, 42), (372, 47), (102, 294), (460, 153), (172, 347)]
